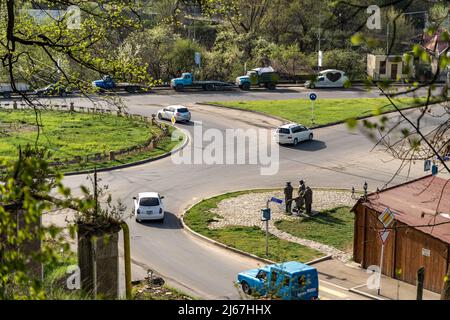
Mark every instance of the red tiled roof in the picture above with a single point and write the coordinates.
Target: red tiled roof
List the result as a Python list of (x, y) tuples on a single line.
[(421, 204), (434, 42)]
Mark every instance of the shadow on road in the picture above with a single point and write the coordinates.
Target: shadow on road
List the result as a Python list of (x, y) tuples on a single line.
[(313, 145), (171, 221)]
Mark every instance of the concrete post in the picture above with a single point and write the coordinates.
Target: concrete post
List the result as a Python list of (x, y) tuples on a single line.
[(72, 107), (112, 156), (98, 259), (14, 105)]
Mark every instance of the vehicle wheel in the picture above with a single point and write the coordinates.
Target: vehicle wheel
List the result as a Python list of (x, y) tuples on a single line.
[(246, 288), (246, 86), (179, 87), (311, 136), (40, 95), (271, 86), (138, 220), (312, 86), (295, 141), (159, 116), (209, 87), (63, 94)]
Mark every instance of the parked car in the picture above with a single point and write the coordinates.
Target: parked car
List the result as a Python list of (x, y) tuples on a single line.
[(181, 113), (53, 90), (148, 206), (289, 281), (258, 77), (293, 134), (330, 78)]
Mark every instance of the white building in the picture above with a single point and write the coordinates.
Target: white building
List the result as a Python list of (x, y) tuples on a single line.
[(392, 67)]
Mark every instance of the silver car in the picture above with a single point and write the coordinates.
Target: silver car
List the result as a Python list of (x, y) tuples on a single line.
[(181, 113)]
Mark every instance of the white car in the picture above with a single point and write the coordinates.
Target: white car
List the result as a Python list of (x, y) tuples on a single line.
[(330, 78), (181, 113), (292, 134), (148, 206)]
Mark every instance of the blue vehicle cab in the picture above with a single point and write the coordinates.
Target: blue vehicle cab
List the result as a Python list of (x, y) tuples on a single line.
[(289, 281)]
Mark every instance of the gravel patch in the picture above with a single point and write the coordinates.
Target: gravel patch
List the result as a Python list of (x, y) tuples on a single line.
[(244, 210)]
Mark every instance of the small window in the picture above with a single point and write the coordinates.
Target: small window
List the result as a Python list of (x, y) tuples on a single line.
[(286, 281), (296, 129), (183, 110), (273, 277), (284, 130), (321, 79), (262, 275), (149, 202), (302, 281), (382, 67)]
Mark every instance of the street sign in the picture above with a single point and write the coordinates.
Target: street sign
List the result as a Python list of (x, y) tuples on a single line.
[(312, 96), (265, 214), (173, 120), (386, 217), (384, 234), (276, 200), (198, 58)]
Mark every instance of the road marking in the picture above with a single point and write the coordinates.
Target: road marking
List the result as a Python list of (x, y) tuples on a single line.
[(333, 292)]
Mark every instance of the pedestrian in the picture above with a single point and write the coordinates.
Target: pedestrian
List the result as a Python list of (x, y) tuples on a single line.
[(288, 190), (308, 195)]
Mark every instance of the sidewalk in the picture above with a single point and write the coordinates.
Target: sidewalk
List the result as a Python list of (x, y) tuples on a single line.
[(354, 278)]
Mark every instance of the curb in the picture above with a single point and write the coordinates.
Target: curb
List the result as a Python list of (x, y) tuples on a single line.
[(241, 252), (136, 163), (365, 294), (289, 121)]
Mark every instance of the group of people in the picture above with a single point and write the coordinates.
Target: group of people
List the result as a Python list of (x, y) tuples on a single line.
[(303, 201)]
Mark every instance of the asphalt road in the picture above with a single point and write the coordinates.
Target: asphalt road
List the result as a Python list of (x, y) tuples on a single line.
[(336, 157)]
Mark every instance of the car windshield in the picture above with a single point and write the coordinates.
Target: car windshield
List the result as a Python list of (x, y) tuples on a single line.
[(149, 202), (183, 110), (283, 130)]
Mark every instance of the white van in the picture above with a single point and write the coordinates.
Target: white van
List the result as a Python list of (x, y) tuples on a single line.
[(330, 78)]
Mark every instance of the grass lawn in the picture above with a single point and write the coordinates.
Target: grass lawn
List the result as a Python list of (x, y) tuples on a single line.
[(68, 135), (332, 227), (248, 239), (325, 110)]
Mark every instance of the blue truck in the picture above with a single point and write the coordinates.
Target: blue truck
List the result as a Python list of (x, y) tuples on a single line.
[(187, 81), (108, 84), (288, 281)]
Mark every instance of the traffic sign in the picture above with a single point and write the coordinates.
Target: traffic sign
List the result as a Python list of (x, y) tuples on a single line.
[(383, 235), (173, 120), (312, 96), (279, 201), (265, 214), (386, 217)]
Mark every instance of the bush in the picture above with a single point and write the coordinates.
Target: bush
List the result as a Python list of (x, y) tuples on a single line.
[(350, 61)]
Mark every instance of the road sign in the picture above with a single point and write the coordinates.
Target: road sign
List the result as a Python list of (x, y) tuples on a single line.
[(312, 96), (265, 214), (384, 234), (386, 217), (198, 58), (279, 201), (173, 120)]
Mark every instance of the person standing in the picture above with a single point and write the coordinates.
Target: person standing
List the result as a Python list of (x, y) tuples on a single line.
[(288, 190), (308, 195)]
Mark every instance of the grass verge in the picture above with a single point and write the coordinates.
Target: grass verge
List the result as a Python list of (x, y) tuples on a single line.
[(248, 239), (332, 227), (325, 110)]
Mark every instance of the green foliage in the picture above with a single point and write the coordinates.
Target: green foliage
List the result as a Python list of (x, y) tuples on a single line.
[(27, 181)]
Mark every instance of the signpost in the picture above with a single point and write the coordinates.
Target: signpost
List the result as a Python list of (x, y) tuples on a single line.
[(386, 218), (313, 98), (266, 216)]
